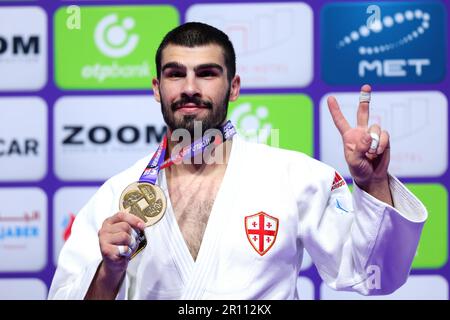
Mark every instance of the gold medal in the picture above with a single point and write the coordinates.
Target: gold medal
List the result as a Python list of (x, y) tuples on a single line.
[(144, 200)]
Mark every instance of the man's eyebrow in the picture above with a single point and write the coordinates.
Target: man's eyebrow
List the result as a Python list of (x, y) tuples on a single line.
[(177, 65), (174, 65), (209, 66)]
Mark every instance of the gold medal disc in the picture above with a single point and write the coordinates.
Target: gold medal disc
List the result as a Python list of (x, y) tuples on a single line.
[(144, 200)]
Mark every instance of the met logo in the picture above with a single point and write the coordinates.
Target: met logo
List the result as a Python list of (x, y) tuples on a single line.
[(402, 42), (393, 67)]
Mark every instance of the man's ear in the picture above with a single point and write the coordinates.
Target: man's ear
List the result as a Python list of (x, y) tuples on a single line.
[(155, 86), (235, 88)]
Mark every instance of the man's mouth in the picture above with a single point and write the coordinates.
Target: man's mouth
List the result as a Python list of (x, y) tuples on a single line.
[(190, 107)]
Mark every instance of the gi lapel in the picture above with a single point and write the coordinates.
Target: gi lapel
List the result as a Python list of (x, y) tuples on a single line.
[(174, 238), (207, 256)]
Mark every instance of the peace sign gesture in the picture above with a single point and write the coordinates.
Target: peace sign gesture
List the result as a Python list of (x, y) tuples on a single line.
[(366, 148)]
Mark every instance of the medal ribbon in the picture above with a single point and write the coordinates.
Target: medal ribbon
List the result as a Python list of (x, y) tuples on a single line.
[(150, 173)]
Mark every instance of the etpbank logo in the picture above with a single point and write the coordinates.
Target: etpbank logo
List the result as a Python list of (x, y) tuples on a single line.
[(388, 43)]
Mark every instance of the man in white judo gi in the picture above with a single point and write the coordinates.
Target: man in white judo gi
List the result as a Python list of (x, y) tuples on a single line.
[(237, 228)]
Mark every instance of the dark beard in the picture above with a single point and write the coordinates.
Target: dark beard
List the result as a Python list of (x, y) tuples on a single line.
[(213, 120)]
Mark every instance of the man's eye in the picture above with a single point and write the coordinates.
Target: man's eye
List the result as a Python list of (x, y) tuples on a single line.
[(206, 74), (175, 74)]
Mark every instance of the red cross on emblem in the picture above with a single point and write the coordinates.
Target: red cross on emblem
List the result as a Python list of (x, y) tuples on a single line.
[(261, 230)]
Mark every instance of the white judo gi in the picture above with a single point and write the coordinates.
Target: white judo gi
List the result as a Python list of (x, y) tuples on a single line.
[(272, 205)]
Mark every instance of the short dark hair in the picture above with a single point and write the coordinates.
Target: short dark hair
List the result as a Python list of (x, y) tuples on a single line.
[(193, 34)]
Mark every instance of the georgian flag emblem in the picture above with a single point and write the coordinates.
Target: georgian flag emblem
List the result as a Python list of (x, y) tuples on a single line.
[(261, 230)]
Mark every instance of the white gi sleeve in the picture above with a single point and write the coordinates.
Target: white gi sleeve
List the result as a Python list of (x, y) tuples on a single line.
[(357, 242), (80, 255)]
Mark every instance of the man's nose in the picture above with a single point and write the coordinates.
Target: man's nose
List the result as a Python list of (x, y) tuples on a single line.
[(191, 87)]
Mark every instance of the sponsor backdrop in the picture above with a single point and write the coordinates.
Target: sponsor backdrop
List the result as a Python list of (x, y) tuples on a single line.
[(76, 108)]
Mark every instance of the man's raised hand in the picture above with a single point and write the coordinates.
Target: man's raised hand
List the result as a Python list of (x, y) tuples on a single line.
[(367, 158)]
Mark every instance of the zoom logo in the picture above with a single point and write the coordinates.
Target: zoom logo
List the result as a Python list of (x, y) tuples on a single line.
[(118, 131), (20, 45), (406, 43), (112, 39), (101, 135)]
